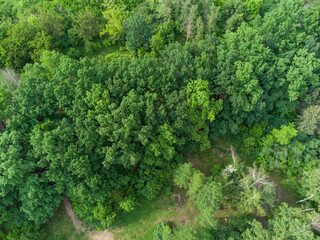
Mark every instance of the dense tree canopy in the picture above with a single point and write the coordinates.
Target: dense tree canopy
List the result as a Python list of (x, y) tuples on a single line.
[(114, 94)]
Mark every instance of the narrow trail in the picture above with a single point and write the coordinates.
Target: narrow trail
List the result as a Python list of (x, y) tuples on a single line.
[(80, 227)]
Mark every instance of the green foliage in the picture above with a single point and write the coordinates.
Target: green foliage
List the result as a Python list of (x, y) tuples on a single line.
[(15, 50), (86, 23), (302, 75), (310, 185), (115, 24), (26, 232), (104, 215), (138, 33), (164, 35), (253, 7), (256, 232), (256, 191), (284, 149), (128, 204), (201, 108), (288, 223), (216, 170), (51, 23), (185, 232), (284, 135), (183, 175), (196, 183), (4, 103), (208, 201), (157, 43), (105, 127), (39, 200), (309, 120), (161, 231)]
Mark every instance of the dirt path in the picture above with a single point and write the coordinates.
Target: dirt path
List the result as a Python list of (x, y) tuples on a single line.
[(80, 227)]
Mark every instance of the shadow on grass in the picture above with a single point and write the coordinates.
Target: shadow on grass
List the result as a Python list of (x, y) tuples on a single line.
[(60, 227)]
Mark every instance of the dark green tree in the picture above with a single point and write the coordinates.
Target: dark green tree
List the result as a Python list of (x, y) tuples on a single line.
[(138, 33)]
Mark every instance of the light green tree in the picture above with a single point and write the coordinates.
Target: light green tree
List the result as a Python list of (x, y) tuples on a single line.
[(115, 24), (202, 107), (208, 201)]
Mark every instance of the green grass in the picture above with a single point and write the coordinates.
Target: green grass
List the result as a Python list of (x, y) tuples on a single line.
[(111, 52), (60, 227), (287, 188), (140, 223), (218, 154)]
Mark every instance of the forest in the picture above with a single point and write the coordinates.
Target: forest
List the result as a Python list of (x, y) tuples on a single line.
[(115, 105)]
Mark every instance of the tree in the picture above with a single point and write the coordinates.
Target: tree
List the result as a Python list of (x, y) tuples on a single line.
[(302, 74), (51, 23), (39, 44), (5, 97), (208, 201), (115, 24), (183, 175), (196, 183), (201, 108), (104, 214), (186, 231), (15, 50), (39, 199), (256, 190), (200, 29), (288, 223), (86, 23), (310, 185), (138, 33), (256, 232), (284, 134), (309, 120), (128, 204)]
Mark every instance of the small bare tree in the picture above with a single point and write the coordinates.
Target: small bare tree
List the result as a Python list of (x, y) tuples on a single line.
[(9, 79)]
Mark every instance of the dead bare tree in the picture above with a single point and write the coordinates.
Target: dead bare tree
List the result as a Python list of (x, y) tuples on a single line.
[(9, 79), (233, 154)]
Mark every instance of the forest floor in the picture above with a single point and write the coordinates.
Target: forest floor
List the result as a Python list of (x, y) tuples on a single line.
[(174, 209), (139, 224)]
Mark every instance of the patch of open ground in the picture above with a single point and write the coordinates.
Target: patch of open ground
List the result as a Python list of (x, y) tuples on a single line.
[(65, 225), (219, 153), (139, 224), (80, 227), (60, 227)]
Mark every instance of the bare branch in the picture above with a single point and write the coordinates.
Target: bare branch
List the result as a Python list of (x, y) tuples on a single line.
[(233, 154), (303, 200)]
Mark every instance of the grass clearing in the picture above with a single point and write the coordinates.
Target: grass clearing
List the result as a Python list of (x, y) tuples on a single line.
[(287, 189), (218, 154), (139, 224), (60, 227)]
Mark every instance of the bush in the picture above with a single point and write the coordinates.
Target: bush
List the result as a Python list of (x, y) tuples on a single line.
[(216, 170), (161, 231), (128, 204)]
